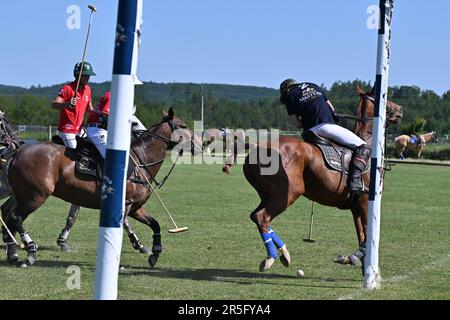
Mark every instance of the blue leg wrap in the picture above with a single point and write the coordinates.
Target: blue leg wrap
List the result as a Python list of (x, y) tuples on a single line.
[(268, 242), (275, 238)]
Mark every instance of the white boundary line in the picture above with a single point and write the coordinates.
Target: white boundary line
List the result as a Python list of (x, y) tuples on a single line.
[(399, 278)]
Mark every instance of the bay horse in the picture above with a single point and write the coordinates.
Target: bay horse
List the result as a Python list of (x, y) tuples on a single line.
[(302, 171), (413, 143), (10, 142), (41, 170)]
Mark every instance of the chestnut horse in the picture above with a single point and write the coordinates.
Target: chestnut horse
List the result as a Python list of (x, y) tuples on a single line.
[(302, 171), (413, 143), (40, 170)]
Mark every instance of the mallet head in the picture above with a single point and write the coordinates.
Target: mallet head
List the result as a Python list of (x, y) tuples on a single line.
[(178, 229), (92, 8)]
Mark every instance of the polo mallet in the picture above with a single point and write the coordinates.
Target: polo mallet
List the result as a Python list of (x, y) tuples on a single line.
[(93, 9), (310, 240), (177, 228)]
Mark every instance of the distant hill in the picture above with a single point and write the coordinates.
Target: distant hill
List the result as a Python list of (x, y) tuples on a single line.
[(160, 92), (235, 106)]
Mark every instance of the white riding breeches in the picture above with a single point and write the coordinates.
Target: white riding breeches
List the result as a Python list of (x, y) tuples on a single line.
[(69, 139), (338, 134), (98, 137), (136, 124)]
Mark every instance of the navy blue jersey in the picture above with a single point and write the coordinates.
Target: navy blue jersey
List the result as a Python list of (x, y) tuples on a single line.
[(309, 102)]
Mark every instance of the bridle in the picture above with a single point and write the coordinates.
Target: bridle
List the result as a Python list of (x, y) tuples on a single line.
[(8, 138), (390, 112), (170, 144)]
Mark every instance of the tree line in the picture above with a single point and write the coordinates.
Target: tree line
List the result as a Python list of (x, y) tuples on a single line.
[(232, 106)]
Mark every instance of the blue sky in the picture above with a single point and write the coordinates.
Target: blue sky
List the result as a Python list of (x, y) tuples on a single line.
[(247, 42)]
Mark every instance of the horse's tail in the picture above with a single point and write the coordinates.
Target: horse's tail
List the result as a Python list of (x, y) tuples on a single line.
[(252, 172)]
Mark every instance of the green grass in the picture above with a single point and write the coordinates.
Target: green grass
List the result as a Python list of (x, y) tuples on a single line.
[(218, 257)]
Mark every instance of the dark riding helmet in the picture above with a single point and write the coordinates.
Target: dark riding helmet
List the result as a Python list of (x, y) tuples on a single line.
[(87, 69), (284, 86)]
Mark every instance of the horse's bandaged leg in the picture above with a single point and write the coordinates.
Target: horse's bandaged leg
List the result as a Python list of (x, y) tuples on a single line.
[(63, 236), (26, 239), (285, 257), (276, 239), (11, 253), (270, 247), (6, 237), (157, 246)]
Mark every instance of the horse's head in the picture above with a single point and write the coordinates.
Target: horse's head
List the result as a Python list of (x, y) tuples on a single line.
[(9, 140), (433, 137), (394, 112), (365, 112), (179, 133)]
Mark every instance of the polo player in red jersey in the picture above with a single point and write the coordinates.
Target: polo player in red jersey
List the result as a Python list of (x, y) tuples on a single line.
[(73, 107), (71, 113)]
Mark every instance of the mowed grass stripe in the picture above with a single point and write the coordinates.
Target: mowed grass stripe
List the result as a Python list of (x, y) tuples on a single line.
[(218, 257)]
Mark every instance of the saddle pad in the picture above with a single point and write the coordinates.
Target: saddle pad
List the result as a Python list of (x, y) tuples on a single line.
[(91, 164), (413, 140), (335, 159), (332, 157)]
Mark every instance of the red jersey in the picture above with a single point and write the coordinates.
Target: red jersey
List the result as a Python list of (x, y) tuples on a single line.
[(101, 107), (70, 120)]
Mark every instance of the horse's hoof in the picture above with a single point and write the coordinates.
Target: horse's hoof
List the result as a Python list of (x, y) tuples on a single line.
[(285, 257), (226, 169), (342, 260), (12, 256), (31, 259), (152, 259), (354, 260), (144, 250), (13, 259), (266, 264), (21, 264), (65, 247)]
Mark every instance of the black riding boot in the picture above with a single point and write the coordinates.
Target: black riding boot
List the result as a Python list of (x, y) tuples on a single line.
[(359, 161)]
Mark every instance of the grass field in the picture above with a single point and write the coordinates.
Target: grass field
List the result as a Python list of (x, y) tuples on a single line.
[(218, 257)]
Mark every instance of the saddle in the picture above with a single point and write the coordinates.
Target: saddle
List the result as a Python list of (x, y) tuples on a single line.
[(337, 157), (88, 160), (415, 140)]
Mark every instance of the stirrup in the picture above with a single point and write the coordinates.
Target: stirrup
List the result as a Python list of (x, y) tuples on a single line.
[(356, 184)]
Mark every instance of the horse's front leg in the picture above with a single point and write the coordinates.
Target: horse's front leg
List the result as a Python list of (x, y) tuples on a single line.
[(360, 220), (148, 220), (419, 153), (30, 246), (8, 208)]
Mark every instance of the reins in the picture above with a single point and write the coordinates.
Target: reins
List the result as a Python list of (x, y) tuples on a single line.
[(170, 144)]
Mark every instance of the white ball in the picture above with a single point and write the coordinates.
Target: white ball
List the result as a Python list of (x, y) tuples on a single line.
[(300, 273)]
